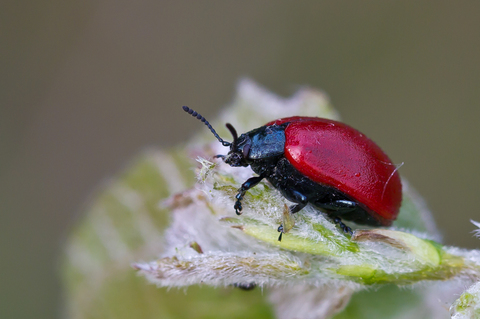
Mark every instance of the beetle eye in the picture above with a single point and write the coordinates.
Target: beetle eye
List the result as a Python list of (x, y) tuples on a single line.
[(246, 150)]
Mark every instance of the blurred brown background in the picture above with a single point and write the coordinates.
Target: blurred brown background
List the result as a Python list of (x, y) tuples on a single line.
[(85, 85)]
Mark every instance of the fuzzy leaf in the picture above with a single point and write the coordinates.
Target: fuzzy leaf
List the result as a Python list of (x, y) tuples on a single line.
[(124, 222), (468, 305), (177, 235)]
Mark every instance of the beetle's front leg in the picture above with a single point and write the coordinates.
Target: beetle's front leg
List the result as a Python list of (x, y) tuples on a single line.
[(251, 182)]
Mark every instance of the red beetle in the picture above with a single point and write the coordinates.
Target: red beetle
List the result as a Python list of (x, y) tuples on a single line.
[(318, 161)]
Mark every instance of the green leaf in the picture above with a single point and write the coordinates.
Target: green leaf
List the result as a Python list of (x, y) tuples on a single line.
[(131, 220)]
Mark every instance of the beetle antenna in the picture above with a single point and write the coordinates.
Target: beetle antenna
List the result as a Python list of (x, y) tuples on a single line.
[(201, 118), (234, 133)]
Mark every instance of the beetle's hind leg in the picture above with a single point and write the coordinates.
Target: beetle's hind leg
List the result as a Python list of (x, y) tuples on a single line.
[(251, 182), (345, 228), (245, 286), (340, 207)]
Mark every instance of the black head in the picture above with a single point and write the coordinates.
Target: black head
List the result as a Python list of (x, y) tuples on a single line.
[(239, 147)]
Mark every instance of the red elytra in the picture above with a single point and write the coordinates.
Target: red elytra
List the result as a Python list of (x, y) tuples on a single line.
[(335, 154)]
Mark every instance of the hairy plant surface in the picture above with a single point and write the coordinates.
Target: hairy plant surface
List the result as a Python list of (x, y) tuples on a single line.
[(169, 218)]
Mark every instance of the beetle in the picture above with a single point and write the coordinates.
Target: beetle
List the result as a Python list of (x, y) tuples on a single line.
[(321, 162)]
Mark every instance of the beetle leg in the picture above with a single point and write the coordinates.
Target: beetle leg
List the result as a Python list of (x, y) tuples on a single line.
[(296, 197), (245, 286), (339, 206), (345, 228), (280, 230), (297, 207), (251, 182), (290, 222)]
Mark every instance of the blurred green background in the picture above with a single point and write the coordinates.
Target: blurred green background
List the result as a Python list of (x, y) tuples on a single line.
[(86, 85)]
